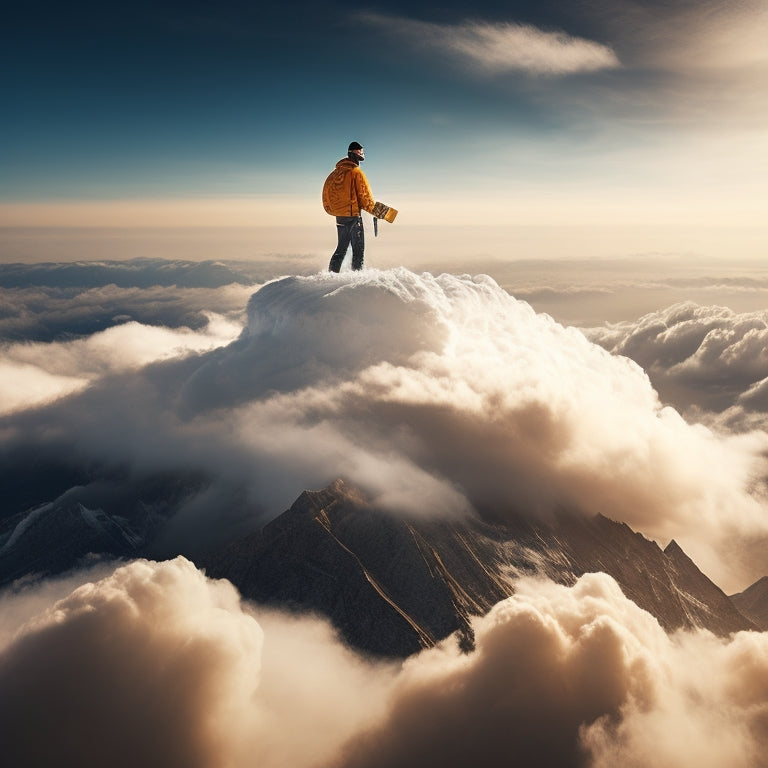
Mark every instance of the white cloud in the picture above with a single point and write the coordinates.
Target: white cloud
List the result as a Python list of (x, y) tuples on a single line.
[(45, 302), (30, 596), (576, 676), (501, 47), (23, 385), (35, 373), (147, 666), (156, 664), (488, 399), (708, 356)]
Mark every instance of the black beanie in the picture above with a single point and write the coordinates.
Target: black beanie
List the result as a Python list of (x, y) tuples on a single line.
[(354, 145)]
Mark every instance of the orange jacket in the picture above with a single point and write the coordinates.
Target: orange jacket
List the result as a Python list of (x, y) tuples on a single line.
[(346, 191)]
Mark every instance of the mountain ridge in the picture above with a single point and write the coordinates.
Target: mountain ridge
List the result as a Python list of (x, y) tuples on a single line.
[(394, 585), (753, 602), (391, 584)]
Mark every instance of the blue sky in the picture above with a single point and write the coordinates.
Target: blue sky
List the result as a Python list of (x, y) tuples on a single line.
[(632, 111), (201, 98)]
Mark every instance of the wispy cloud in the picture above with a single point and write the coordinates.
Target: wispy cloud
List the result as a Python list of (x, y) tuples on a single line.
[(708, 36), (501, 47), (702, 63)]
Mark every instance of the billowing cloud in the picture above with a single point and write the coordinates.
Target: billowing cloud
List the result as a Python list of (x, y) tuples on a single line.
[(707, 356), (30, 596), (500, 47), (156, 664), (436, 395), (35, 373), (98, 664), (575, 677), (473, 390)]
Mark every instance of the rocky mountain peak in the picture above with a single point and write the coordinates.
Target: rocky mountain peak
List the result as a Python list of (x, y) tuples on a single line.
[(393, 586)]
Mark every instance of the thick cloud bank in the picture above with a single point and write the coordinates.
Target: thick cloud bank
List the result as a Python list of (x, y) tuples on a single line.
[(157, 665), (576, 676), (435, 395), (707, 356), (33, 373), (142, 668), (445, 392), (44, 314), (127, 273), (55, 301), (63, 326)]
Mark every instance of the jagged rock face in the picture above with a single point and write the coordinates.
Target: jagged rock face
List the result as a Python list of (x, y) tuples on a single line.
[(107, 518), (54, 537), (393, 586), (666, 583), (753, 603)]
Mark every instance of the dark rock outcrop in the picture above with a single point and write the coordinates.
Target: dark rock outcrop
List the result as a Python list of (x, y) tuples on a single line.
[(753, 602), (393, 585)]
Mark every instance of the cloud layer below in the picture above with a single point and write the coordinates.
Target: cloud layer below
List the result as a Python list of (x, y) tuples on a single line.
[(34, 373), (156, 664), (711, 358)]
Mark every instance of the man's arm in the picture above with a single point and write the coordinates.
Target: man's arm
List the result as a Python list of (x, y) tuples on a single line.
[(363, 191)]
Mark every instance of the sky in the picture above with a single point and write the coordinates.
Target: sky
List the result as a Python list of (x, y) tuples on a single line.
[(644, 115)]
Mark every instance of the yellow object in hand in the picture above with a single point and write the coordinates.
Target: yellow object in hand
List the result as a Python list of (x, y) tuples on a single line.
[(381, 211)]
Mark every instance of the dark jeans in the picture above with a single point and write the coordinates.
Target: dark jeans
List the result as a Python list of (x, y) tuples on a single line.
[(350, 231)]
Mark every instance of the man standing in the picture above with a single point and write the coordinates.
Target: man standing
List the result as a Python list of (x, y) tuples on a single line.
[(345, 194)]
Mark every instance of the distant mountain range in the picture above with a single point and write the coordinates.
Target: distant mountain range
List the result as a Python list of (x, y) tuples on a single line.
[(393, 585)]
